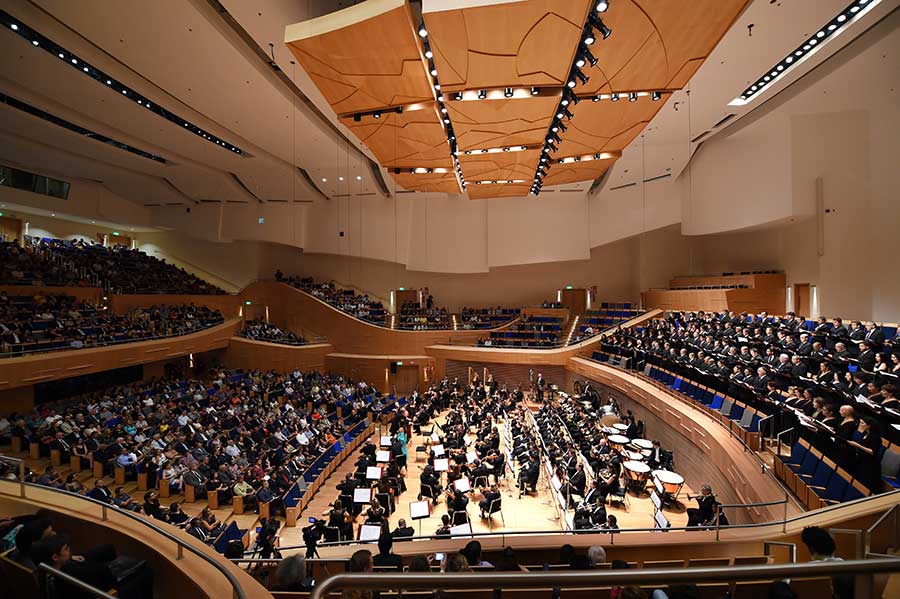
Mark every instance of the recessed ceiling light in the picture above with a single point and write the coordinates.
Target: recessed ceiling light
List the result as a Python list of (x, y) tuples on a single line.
[(14, 27), (358, 177), (34, 42), (74, 61), (61, 55), (340, 178), (324, 180)]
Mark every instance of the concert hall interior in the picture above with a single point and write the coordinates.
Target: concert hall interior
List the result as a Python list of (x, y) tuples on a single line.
[(449, 299)]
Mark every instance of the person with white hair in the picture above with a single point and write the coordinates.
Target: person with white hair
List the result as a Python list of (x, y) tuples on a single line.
[(596, 555), (291, 575)]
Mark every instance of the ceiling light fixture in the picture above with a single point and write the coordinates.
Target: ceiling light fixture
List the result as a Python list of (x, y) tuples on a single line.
[(602, 6), (508, 92), (482, 94), (807, 48), (422, 31), (655, 96), (632, 97), (614, 97), (535, 91)]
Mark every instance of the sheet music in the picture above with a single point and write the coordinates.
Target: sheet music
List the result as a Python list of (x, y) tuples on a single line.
[(383, 456), (435, 438), (373, 473), (556, 482), (369, 532), (385, 441), (419, 510), (462, 485), (438, 450), (362, 495), (471, 457), (441, 465), (461, 530), (661, 520)]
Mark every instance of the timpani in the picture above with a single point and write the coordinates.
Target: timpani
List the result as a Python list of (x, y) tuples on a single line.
[(637, 474), (618, 442), (643, 443), (633, 456), (621, 426), (671, 481)]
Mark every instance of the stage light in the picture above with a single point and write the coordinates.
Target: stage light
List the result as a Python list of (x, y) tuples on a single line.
[(588, 38), (433, 72), (444, 109), (614, 97), (535, 91), (602, 6), (482, 94), (655, 96), (457, 96), (562, 126), (437, 86), (585, 56), (578, 74), (598, 24), (376, 115), (632, 97), (34, 43), (552, 147), (508, 92), (596, 98), (422, 31), (565, 113)]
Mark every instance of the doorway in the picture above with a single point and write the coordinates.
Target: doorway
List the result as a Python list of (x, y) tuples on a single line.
[(801, 299), (406, 379)]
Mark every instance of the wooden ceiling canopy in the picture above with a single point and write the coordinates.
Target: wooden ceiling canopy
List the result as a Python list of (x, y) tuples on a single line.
[(503, 66)]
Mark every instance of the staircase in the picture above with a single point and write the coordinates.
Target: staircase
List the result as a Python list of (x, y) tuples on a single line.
[(573, 327)]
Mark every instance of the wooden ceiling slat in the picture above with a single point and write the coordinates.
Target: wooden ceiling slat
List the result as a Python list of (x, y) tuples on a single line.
[(500, 190), (607, 126), (497, 166), (428, 182), (572, 172)]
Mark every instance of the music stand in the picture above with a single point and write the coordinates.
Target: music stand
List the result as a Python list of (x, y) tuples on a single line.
[(362, 495), (461, 530), (369, 532), (385, 441), (438, 449), (382, 456), (471, 456), (462, 485), (441, 464), (373, 473), (419, 510)]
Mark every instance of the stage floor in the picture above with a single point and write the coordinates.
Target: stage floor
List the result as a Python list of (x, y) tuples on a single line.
[(528, 513)]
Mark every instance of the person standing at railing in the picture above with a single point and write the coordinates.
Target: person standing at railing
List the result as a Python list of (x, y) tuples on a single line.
[(821, 548)]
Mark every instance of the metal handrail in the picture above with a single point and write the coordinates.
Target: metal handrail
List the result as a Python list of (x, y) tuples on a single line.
[(895, 510), (600, 578), (51, 571), (182, 545), (611, 533)]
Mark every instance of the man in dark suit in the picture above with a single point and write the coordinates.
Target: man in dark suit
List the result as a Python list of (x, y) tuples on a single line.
[(490, 494), (866, 356), (874, 335), (528, 475), (402, 532), (100, 492), (578, 480)]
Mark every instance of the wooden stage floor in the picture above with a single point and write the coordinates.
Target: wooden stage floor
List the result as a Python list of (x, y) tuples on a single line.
[(528, 513)]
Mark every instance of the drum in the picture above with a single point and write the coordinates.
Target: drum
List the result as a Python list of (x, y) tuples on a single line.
[(621, 426), (618, 442), (634, 456), (637, 473), (643, 443), (671, 481)]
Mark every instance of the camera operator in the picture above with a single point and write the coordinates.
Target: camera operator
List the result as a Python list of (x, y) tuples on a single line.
[(311, 536)]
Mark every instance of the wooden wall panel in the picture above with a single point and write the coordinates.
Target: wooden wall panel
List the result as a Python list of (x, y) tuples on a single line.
[(692, 433), (228, 305), (739, 300), (40, 368), (376, 370), (259, 355)]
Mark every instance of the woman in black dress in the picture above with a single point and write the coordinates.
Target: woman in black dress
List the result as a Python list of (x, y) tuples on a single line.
[(869, 449)]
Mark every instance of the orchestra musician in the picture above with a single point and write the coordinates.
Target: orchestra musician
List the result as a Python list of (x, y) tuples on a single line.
[(704, 514)]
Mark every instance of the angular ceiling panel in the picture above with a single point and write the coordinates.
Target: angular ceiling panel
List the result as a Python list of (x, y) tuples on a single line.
[(508, 43), (607, 126), (585, 170), (658, 44), (411, 139), (363, 58), (501, 123)]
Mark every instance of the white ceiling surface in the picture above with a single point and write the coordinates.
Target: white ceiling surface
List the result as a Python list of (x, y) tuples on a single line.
[(182, 55), (779, 26)]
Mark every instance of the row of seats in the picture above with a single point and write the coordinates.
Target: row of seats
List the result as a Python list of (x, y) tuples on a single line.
[(817, 480)]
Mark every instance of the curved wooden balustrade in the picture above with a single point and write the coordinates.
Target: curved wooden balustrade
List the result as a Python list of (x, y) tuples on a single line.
[(39, 368), (179, 573), (249, 354), (228, 305), (293, 309)]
